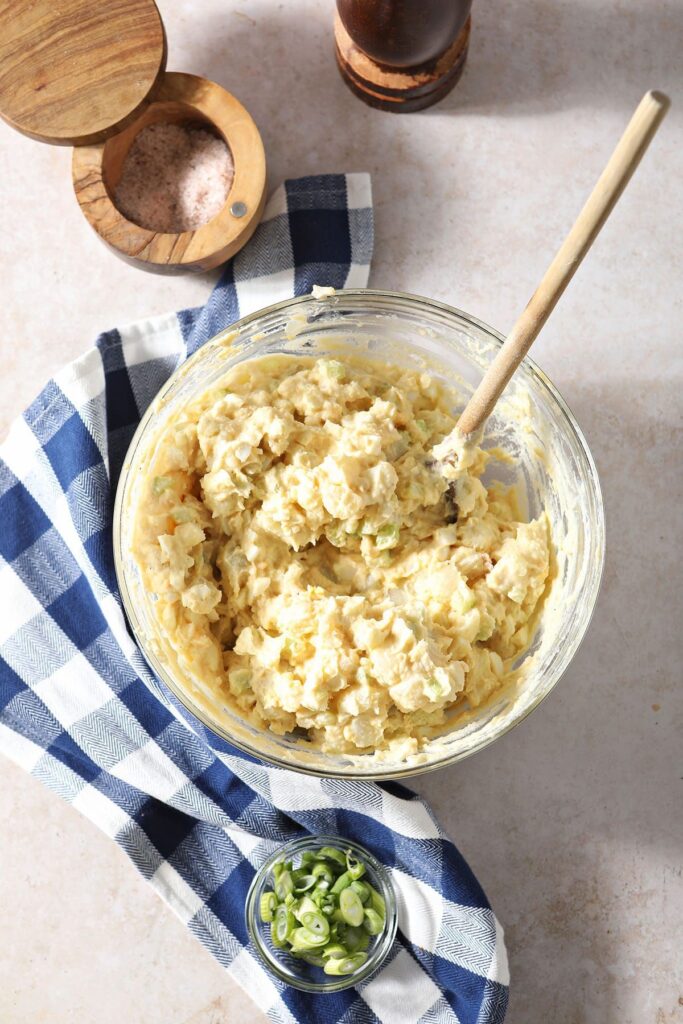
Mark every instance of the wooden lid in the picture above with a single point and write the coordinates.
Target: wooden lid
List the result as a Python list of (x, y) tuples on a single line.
[(74, 71)]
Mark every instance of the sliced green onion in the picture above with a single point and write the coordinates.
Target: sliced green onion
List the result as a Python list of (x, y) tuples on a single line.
[(278, 943), (316, 923), (345, 965), (322, 870), (372, 922), (355, 867), (376, 901), (361, 889), (356, 940), (321, 912), (317, 960), (351, 907), (305, 906), (302, 938), (329, 853), (267, 905), (285, 923), (342, 882), (284, 885), (325, 903), (285, 865), (336, 950), (304, 883)]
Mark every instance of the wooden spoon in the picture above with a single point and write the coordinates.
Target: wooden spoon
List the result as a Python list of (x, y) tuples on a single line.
[(611, 183)]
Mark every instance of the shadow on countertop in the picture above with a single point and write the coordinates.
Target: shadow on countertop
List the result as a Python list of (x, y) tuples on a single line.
[(572, 820), (526, 57), (535, 57)]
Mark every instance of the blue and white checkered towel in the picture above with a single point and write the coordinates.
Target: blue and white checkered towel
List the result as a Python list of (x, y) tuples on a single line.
[(80, 710)]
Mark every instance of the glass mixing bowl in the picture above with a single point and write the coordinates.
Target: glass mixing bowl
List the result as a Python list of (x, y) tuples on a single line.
[(553, 470)]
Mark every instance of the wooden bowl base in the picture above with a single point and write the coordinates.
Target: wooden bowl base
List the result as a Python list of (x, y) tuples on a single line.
[(96, 171), (400, 90)]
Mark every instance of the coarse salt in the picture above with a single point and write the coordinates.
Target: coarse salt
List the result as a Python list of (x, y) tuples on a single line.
[(175, 177)]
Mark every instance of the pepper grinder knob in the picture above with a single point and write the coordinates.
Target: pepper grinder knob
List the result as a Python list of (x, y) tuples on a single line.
[(402, 55)]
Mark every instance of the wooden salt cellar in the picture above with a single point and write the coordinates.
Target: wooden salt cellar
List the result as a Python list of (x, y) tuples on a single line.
[(90, 76), (402, 55)]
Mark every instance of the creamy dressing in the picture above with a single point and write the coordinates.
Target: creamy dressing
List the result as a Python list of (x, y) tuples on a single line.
[(314, 562)]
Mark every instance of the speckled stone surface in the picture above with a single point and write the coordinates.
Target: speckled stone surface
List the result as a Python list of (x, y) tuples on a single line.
[(572, 822)]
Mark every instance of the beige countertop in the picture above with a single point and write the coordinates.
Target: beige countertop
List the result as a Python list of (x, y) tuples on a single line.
[(570, 822)]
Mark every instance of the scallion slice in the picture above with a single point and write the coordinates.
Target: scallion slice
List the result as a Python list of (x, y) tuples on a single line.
[(345, 965), (267, 905), (351, 907)]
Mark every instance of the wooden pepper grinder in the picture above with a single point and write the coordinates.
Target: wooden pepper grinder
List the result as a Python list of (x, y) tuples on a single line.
[(402, 55)]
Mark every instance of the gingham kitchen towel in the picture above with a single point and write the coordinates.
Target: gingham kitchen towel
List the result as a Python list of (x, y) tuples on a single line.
[(80, 709)]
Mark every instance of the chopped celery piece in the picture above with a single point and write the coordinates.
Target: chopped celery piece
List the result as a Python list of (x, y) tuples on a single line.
[(182, 514), (333, 368), (387, 536), (161, 484), (239, 680)]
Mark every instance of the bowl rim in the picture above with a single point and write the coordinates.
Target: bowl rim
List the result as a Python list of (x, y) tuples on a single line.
[(358, 774)]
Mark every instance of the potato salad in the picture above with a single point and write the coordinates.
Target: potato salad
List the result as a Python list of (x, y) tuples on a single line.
[(315, 559)]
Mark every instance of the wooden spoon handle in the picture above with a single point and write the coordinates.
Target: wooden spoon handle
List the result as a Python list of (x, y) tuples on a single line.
[(611, 183)]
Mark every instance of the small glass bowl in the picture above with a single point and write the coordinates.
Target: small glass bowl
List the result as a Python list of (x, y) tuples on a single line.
[(290, 969)]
